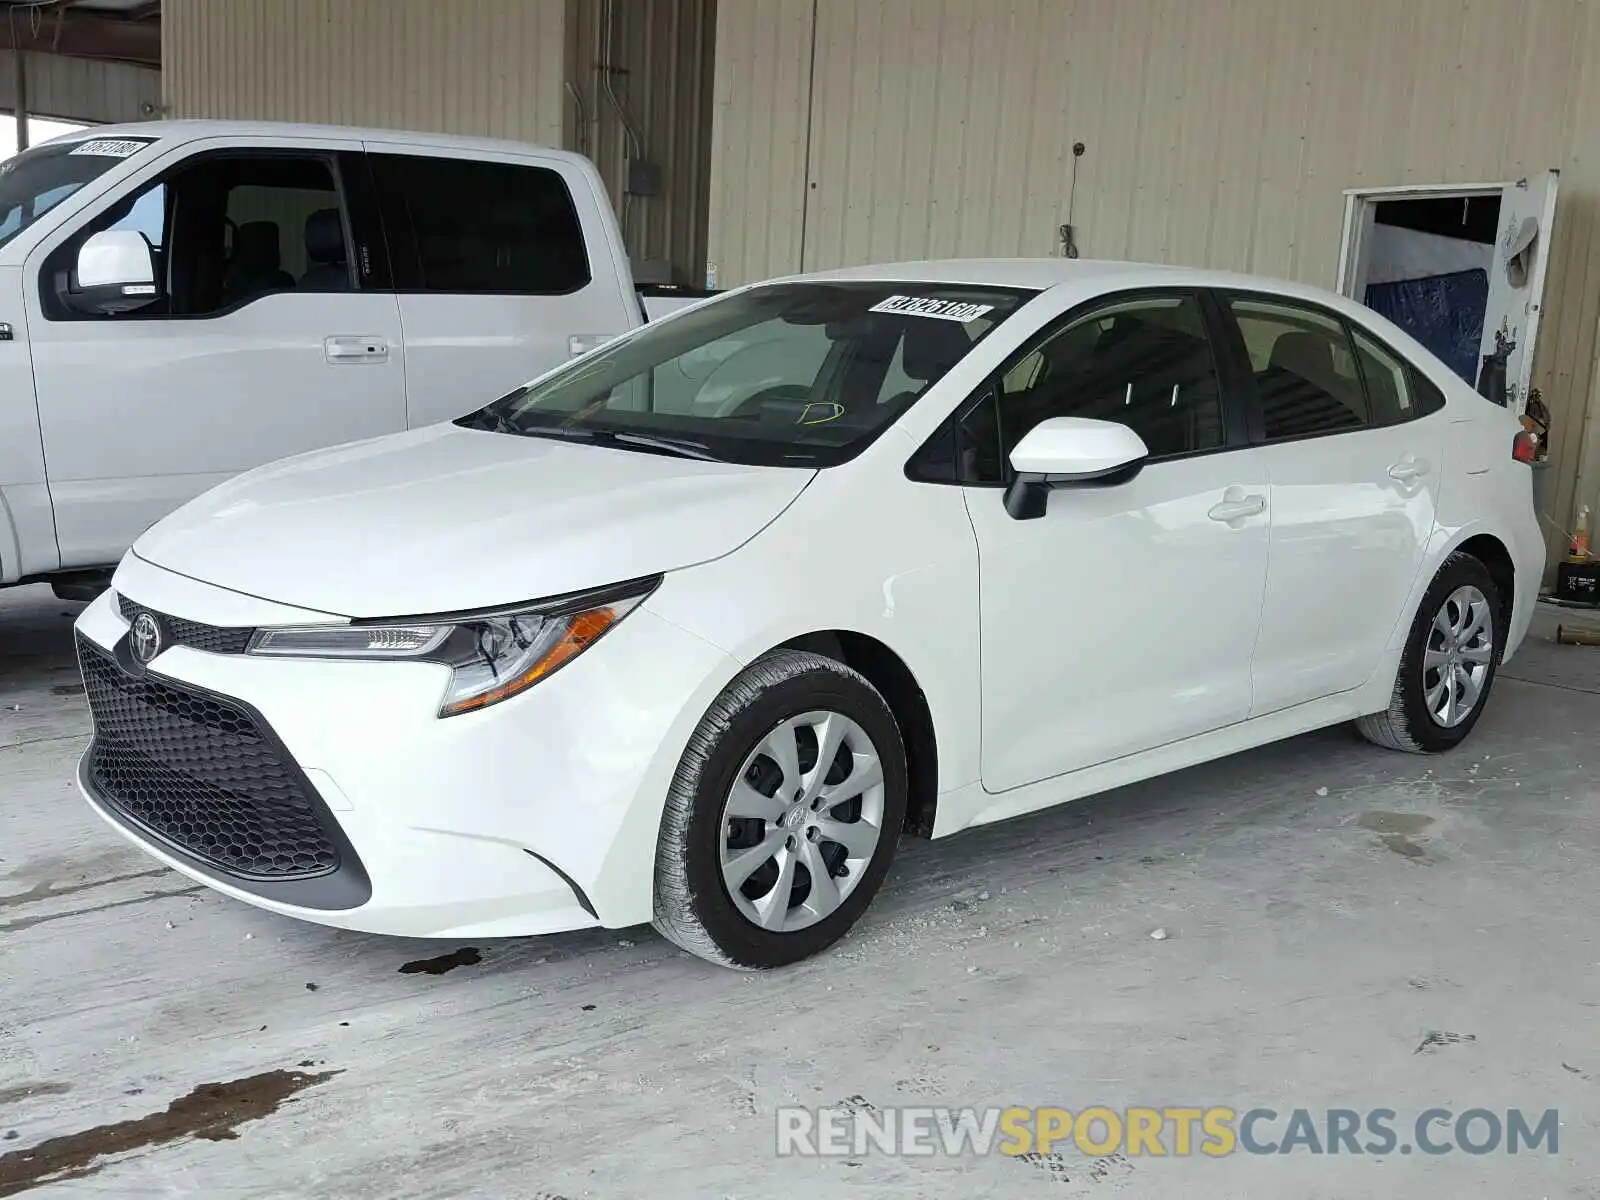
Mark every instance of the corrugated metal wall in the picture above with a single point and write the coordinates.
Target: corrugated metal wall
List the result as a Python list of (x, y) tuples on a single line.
[(490, 68), (497, 68), (661, 52), (78, 89), (1217, 132)]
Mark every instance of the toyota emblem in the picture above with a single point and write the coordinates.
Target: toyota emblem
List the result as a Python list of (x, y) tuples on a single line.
[(145, 637)]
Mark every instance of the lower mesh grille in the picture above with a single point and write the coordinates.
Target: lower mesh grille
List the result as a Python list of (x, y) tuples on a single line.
[(199, 773)]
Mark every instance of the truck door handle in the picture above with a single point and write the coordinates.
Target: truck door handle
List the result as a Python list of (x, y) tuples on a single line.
[(1236, 506), (355, 349), (1409, 468)]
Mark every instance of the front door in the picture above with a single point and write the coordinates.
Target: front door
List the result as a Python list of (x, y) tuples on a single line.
[(1354, 446), (262, 346), (1123, 618)]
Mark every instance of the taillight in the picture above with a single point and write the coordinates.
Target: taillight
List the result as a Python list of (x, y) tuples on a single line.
[(1525, 447)]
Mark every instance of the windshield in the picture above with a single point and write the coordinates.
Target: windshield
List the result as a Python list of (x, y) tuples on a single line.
[(35, 181), (793, 374)]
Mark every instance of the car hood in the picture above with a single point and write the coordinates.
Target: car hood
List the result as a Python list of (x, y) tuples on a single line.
[(445, 519)]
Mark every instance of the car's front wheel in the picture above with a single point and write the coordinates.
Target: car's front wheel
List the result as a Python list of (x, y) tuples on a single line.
[(1449, 663), (783, 815)]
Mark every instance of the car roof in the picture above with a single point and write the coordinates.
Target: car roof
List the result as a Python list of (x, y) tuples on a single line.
[(191, 130), (1089, 275)]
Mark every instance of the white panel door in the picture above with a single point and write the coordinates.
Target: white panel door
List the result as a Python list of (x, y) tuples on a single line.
[(1517, 277)]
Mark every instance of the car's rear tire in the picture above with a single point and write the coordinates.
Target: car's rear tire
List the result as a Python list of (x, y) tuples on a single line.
[(755, 818), (1448, 668)]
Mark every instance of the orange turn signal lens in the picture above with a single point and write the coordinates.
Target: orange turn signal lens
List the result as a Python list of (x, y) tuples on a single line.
[(571, 637)]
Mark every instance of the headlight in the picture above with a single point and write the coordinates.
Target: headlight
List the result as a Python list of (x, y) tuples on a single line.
[(492, 656)]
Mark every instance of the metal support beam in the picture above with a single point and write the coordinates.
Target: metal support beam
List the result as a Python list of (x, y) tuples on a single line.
[(77, 35), (20, 99)]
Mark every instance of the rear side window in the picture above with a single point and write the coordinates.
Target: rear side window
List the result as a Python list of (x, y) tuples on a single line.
[(1388, 381), (1304, 367), (480, 227), (1430, 399)]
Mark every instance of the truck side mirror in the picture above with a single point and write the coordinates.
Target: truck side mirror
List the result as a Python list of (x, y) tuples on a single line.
[(115, 272)]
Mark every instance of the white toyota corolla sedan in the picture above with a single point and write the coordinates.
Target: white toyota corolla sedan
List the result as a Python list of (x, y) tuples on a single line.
[(691, 629)]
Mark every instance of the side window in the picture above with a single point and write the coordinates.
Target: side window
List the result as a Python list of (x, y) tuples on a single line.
[(481, 227), (1305, 369), (1146, 363), (148, 215), (226, 230), (1388, 383), (1429, 398)]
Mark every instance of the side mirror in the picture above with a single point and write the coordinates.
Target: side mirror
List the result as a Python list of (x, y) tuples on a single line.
[(1070, 452), (115, 272)]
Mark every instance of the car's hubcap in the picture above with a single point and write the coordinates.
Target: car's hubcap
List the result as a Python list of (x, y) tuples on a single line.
[(1457, 656), (802, 821)]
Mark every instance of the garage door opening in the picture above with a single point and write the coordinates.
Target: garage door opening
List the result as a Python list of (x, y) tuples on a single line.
[(1459, 268), (1427, 270)]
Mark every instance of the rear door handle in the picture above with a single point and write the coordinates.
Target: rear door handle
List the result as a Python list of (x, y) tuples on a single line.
[(1409, 468), (355, 349), (1236, 506), (582, 343)]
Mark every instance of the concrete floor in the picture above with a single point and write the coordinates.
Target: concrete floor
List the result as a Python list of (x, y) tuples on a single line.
[(1316, 941)]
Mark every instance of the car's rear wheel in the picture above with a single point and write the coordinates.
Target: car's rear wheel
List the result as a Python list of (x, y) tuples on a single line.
[(1449, 663), (783, 815)]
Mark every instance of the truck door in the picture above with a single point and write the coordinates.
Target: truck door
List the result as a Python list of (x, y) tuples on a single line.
[(267, 335)]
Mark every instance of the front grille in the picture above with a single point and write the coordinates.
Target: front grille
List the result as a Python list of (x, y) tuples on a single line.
[(200, 773), (213, 639)]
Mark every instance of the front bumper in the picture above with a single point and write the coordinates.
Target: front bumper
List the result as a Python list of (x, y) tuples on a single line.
[(537, 815)]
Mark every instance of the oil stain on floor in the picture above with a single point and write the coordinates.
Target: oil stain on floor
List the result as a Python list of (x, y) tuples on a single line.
[(1396, 830), (212, 1112), (467, 956)]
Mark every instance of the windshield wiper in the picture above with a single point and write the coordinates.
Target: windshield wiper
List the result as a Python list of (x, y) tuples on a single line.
[(683, 447)]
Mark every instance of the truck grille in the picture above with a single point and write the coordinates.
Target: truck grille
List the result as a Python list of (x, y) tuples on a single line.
[(200, 773), (213, 639)]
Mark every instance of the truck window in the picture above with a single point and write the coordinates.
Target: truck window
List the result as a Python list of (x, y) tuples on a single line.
[(230, 228), (467, 226)]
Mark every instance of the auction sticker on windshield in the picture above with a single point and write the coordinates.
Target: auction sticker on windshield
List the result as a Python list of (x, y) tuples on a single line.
[(110, 147), (945, 310)]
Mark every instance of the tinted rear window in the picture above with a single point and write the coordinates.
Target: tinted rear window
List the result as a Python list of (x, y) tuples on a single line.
[(485, 227)]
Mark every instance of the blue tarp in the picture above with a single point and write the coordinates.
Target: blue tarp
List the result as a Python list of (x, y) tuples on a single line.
[(1443, 312)]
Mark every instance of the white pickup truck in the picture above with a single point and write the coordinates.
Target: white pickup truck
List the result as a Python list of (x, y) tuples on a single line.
[(181, 301)]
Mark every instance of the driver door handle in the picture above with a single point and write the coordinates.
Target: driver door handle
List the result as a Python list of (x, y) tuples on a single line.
[(355, 349), (1236, 506)]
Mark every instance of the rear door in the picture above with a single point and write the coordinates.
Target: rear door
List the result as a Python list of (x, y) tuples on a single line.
[(1354, 449), (269, 339), (501, 260)]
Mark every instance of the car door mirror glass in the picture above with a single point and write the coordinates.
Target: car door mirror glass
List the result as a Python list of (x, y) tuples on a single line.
[(115, 272)]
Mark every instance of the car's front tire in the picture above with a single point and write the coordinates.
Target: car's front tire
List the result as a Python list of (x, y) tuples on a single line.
[(1448, 668), (783, 815)]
